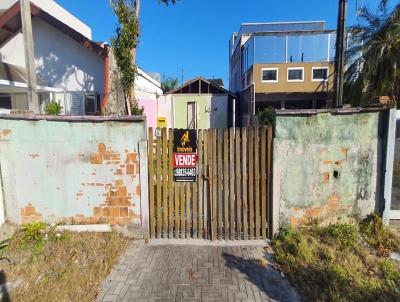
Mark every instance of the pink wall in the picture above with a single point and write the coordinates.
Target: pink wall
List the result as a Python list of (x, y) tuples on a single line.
[(150, 111)]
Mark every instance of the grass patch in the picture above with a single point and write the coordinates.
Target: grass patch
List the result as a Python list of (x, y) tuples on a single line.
[(52, 266), (341, 262)]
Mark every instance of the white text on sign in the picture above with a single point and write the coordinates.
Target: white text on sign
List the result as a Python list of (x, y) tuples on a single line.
[(185, 160)]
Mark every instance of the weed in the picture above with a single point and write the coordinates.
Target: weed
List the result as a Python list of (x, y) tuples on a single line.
[(383, 239), (334, 263), (347, 234), (53, 108), (33, 231)]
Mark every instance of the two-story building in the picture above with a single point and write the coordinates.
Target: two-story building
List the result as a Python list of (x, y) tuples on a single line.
[(282, 65)]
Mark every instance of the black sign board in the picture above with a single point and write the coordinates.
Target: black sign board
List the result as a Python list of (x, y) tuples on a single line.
[(185, 155)]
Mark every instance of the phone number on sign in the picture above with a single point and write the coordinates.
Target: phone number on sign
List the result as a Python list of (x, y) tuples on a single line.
[(184, 172)]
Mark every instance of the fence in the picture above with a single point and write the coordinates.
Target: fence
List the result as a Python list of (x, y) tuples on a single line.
[(231, 197)]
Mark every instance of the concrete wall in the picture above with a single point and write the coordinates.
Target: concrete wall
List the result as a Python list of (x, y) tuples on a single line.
[(165, 109), (212, 110), (76, 170), (325, 166)]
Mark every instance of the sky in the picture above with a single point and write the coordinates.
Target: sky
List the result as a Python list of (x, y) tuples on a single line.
[(193, 35)]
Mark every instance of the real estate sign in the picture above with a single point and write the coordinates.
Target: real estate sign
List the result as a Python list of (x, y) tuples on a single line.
[(185, 155)]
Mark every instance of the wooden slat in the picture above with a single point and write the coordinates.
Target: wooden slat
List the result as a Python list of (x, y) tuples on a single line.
[(158, 186), (269, 176), (206, 171), (238, 196), (194, 204), (226, 184), (244, 183), (214, 185), (251, 182), (232, 181), (177, 211), (257, 182), (164, 181), (170, 184), (264, 183), (187, 203), (151, 181), (200, 180), (182, 213), (219, 179)]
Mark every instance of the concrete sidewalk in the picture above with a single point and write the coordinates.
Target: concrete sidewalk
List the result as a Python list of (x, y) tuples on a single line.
[(160, 272)]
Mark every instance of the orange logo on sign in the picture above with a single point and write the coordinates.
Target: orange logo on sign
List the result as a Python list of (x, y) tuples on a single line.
[(185, 139)]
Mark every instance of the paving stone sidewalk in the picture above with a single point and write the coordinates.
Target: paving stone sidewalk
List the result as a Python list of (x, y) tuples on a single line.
[(195, 273)]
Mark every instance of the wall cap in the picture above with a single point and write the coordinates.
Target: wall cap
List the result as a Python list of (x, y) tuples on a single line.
[(308, 112), (66, 118)]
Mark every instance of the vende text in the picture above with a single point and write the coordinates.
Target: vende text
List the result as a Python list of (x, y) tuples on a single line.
[(185, 160)]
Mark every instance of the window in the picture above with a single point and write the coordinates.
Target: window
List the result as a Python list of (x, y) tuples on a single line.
[(92, 103), (320, 74), (269, 75), (5, 101), (295, 74), (191, 115)]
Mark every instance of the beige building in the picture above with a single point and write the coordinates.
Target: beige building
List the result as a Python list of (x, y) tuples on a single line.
[(282, 65)]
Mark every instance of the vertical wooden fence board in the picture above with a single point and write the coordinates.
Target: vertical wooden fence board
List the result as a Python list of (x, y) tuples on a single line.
[(214, 185), (159, 186), (232, 181), (170, 184), (164, 182), (207, 190), (264, 183), (200, 180), (182, 213), (177, 210), (219, 202), (251, 182), (244, 183), (188, 207), (226, 178), (269, 179), (257, 182), (151, 182), (194, 204), (238, 196)]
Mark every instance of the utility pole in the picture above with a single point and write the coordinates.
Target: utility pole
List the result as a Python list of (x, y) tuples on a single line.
[(26, 19), (182, 76), (341, 35)]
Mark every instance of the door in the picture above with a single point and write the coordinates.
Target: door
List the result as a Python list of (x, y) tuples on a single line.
[(395, 206), (191, 115)]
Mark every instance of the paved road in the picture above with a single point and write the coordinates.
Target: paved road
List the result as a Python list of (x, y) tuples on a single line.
[(195, 273)]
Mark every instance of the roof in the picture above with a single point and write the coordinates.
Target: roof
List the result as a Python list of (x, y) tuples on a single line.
[(15, 74), (215, 87), (10, 25), (217, 82)]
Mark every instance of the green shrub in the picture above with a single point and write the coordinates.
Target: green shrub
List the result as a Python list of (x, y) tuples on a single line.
[(33, 232), (266, 117), (53, 108), (347, 234), (381, 238)]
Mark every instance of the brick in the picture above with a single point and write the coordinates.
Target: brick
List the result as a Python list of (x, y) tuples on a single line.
[(114, 212)]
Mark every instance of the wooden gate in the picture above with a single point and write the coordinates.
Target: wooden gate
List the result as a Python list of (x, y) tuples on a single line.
[(231, 197)]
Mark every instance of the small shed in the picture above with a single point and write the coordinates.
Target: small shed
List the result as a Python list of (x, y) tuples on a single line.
[(203, 104)]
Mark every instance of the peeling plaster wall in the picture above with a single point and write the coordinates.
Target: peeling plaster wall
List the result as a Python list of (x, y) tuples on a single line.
[(71, 171), (325, 167)]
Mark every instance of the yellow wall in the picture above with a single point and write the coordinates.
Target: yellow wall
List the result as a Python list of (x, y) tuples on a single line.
[(284, 86)]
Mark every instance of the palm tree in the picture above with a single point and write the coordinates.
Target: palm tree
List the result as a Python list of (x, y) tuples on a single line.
[(373, 57)]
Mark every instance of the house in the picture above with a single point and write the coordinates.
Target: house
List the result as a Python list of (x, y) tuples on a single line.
[(71, 68), (282, 65), (198, 104)]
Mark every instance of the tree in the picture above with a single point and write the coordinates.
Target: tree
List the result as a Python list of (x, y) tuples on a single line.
[(124, 46), (169, 84), (373, 57)]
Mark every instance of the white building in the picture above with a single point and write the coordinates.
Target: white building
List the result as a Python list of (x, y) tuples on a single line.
[(71, 68)]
